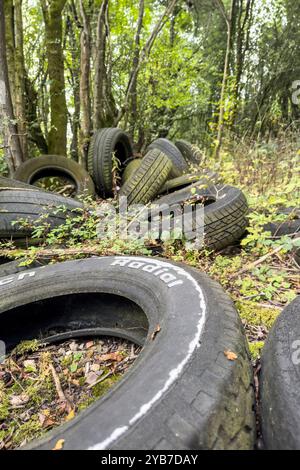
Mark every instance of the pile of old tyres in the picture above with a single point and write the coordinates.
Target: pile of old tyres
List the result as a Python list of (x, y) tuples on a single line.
[(162, 176)]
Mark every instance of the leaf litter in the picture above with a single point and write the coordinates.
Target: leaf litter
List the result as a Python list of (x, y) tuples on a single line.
[(45, 385)]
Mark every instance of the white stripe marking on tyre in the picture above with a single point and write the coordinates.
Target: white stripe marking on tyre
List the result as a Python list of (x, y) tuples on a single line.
[(20, 277), (174, 373)]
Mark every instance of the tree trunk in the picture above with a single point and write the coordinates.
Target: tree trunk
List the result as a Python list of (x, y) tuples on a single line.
[(10, 45), (74, 69), (20, 91), (85, 71), (228, 20), (13, 151), (135, 62), (52, 12), (100, 69), (35, 132)]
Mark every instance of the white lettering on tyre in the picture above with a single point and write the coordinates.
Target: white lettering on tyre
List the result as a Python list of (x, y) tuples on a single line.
[(164, 274), (173, 375), (19, 277)]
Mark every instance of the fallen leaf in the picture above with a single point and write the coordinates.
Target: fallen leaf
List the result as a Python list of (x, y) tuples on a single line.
[(71, 415), (73, 346), (231, 356), (89, 344), (95, 367), (91, 378), (19, 400), (73, 367), (75, 382), (115, 356), (48, 422), (30, 366), (59, 445)]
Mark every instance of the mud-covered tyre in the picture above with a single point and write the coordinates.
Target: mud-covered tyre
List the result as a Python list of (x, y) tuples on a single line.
[(280, 382), (107, 144), (182, 392), (130, 168), (179, 165), (47, 166), (34, 207), (225, 212), (146, 181), (191, 153)]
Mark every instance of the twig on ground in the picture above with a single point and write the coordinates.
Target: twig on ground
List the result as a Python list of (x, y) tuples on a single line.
[(59, 390), (257, 262)]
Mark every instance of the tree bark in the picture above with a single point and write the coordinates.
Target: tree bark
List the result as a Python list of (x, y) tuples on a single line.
[(35, 133), (74, 69), (135, 62), (85, 72), (10, 45), (99, 118), (52, 12), (13, 151), (20, 91)]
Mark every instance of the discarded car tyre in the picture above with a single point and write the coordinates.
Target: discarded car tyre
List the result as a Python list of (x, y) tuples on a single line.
[(17, 266), (9, 183), (191, 153), (290, 227), (175, 184), (34, 207), (280, 382), (225, 211), (107, 144), (146, 181), (130, 168), (183, 392), (55, 165), (169, 149)]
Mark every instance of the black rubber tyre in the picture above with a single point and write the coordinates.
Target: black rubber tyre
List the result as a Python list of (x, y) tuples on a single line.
[(147, 180), (182, 392), (31, 205), (130, 168), (169, 149), (9, 183), (55, 165), (191, 153), (105, 144), (225, 215), (14, 267), (280, 382), (175, 184), (291, 227)]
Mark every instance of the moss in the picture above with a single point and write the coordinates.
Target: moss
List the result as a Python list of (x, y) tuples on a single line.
[(27, 431), (4, 408), (26, 347), (257, 315), (100, 389), (256, 348)]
